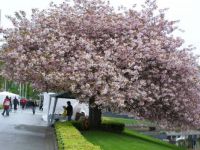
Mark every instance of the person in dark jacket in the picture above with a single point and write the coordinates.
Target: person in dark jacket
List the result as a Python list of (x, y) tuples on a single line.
[(15, 103), (69, 110), (10, 108), (33, 105)]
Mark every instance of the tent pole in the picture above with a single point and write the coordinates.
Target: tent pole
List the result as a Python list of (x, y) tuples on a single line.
[(54, 108), (48, 117)]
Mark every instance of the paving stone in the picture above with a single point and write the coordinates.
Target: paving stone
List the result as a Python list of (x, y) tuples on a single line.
[(24, 131)]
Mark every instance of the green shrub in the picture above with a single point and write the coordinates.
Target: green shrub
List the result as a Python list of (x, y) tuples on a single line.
[(106, 125), (69, 138), (78, 125), (1, 106), (112, 126), (81, 125)]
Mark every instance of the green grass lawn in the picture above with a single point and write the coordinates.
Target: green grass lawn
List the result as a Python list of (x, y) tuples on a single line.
[(129, 140)]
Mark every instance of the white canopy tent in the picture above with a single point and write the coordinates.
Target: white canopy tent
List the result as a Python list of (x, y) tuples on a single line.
[(9, 94), (53, 104)]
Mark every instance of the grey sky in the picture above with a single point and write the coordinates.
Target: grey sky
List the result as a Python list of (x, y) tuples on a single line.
[(184, 10)]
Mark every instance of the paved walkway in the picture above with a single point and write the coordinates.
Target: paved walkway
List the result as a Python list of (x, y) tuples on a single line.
[(24, 131)]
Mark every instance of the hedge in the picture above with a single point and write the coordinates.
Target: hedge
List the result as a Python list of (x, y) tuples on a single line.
[(112, 126), (69, 138), (106, 125)]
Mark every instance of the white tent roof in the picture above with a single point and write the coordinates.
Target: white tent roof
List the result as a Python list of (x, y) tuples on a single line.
[(9, 94)]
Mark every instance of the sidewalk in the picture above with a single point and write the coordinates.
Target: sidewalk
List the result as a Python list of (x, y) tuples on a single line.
[(24, 131)]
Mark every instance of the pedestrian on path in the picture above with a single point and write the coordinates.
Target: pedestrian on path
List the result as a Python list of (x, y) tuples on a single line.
[(23, 102), (15, 102), (10, 107), (6, 104), (33, 105)]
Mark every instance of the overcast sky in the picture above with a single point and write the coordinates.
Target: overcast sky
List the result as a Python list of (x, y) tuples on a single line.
[(186, 11)]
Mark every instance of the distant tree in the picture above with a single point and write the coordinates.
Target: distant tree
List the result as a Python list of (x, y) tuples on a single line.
[(127, 59)]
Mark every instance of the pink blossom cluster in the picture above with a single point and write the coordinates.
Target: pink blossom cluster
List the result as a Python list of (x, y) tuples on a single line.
[(128, 60)]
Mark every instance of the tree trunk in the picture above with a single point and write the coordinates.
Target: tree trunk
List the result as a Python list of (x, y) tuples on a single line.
[(94, 114)]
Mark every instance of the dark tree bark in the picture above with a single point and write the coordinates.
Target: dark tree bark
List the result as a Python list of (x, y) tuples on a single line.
[(94, 114)]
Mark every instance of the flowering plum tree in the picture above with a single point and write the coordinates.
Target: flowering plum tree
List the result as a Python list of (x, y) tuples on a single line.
[(128, 60)]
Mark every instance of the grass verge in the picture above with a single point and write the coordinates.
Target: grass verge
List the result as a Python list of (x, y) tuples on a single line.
[(128, 140)]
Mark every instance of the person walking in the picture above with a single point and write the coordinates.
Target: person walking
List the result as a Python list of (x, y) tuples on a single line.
[(10, 107), (69, 110), (33, 105), (6, 104), (23, 102), (15, 103)]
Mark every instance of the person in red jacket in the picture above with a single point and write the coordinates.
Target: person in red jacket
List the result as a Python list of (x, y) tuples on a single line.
[(6, 104), (23, 102)]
